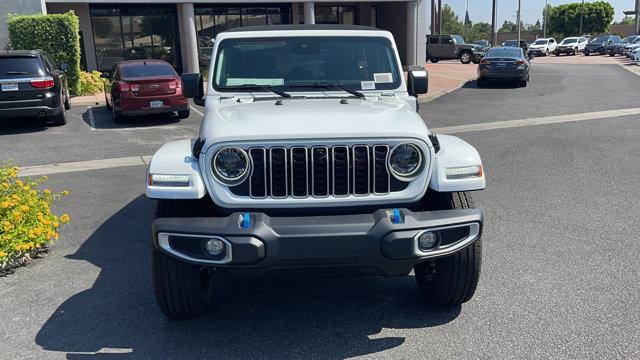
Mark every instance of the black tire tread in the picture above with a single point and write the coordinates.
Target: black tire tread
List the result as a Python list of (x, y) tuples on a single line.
[(456, 276), (177, 285)]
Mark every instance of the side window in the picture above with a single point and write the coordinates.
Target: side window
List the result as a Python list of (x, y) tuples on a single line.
[(447, 40), (48, 63), (433, 40)]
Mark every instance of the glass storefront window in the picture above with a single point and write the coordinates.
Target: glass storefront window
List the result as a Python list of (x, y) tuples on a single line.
[(133, 32), (327, 14), (214, 19)]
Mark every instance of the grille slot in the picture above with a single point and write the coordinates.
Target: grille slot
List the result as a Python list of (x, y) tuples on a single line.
[(318, 171)]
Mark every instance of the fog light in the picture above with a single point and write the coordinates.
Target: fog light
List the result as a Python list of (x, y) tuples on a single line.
[(427, 240), (215, 246)]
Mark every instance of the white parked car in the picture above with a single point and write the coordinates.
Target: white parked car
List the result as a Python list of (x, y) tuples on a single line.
[(635, 55), (628, 49), (542, 47), (312, 158), (570, 45)]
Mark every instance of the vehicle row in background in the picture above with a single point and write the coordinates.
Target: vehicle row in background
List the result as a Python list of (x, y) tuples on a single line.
[(617, 47), (542, 47), (143, 87), (599, 44), (32, 85)]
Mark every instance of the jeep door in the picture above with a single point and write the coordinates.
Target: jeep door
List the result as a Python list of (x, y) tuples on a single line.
[(448, 48)]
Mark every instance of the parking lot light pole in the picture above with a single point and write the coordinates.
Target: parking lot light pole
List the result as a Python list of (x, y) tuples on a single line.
[(544, 25), (581, 16), (518, 20)]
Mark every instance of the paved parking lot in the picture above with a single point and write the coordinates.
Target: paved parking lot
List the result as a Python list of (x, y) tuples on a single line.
[(559, 280)]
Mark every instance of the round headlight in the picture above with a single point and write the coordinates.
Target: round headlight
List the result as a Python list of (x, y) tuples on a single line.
[(405, 161), (230, 165)]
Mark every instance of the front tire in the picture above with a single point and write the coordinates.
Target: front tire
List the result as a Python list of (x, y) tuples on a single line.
[(182, 290), (465, 57), (452, 280), (183, 114)]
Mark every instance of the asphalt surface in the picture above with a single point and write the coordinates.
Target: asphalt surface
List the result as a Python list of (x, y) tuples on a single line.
[(560, 264)]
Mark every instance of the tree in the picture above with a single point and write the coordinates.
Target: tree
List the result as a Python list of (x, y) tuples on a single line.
[(479, 31), (537, 27), (565, 19), (508, 26), (450, 23), (627, 20)]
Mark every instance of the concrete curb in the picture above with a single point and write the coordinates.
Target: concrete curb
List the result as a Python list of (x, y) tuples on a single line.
[(439, 93)]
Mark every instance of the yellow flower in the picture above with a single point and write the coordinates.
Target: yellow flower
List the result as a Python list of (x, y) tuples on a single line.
[(24, 208), (17, 216), (26, 188), (5, 204), (15, 197), (2, 254), (65, 193), (46, 191), (6, 186), (7, 226), (37, 231), (65, 218), (19, 183), (44, 177), (56, 224)]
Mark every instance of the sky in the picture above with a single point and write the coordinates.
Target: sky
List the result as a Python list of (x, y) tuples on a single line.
[(480, 10)]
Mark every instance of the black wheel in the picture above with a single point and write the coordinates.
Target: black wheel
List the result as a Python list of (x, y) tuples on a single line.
[(117, 115), (557, 53), (575, 51), (183, 114), (182, 290), (612, 55), (60, 119), (451, 280), (434, 60), (465, 57), (67, 102), (586, 54)]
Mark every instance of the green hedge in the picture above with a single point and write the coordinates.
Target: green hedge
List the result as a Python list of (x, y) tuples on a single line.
[(57, 34)]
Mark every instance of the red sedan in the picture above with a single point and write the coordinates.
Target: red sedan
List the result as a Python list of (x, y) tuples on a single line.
[(142, 87)]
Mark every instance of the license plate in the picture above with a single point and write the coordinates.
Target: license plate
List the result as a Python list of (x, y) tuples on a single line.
[(9, 87), (156, 103), (501, 65)]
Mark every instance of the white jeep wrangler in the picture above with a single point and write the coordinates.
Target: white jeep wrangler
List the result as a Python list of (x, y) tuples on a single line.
[(312, 158)]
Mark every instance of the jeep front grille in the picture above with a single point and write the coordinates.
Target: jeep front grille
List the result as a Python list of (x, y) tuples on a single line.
[(319, 171)]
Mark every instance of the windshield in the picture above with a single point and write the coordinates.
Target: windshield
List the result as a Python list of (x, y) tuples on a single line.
[(569, 41), (458, 39), (504, 53), (510, 43), (357, 63), (628, 39), (599, 40), (147, 69), (540, 42)]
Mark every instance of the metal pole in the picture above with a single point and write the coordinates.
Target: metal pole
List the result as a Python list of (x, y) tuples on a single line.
[(439, 17), (637, 25), (581, 16), (493, 24), (518, 20), (433, 17), (544, 26)]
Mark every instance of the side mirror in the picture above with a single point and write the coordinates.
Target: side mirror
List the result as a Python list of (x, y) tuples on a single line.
[(63, 66), (193, 87), (105, 75), (418, 81)]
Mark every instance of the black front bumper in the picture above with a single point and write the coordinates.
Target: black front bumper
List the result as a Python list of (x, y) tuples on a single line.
[(568, 50), (374, 244)]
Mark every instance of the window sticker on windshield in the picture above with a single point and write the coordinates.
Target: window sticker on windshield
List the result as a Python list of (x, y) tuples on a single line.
[(382, 78), (368, 85), (254, 81)]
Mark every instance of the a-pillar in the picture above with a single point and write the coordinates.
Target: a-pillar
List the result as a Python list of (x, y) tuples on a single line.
[(189, 39)]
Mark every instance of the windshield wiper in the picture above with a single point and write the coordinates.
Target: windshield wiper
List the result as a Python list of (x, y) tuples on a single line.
[(328, 86), (257, 87)]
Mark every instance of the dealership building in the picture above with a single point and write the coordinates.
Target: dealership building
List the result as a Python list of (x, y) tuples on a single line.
[(182, 31)]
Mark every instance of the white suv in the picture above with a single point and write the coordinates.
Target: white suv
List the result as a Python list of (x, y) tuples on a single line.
[(542, 47), (570, 45), (312, 157)]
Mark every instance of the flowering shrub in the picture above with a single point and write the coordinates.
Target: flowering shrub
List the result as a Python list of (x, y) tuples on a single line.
[(90, 83), (26, 220)]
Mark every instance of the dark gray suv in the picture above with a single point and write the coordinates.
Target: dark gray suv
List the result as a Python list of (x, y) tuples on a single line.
[(447, 47), (32, 85)]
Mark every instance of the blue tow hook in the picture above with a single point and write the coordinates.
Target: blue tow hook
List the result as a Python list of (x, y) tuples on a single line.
[(396, 219), (246, 221)]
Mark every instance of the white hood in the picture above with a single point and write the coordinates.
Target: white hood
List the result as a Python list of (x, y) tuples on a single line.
[(322, 118)]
